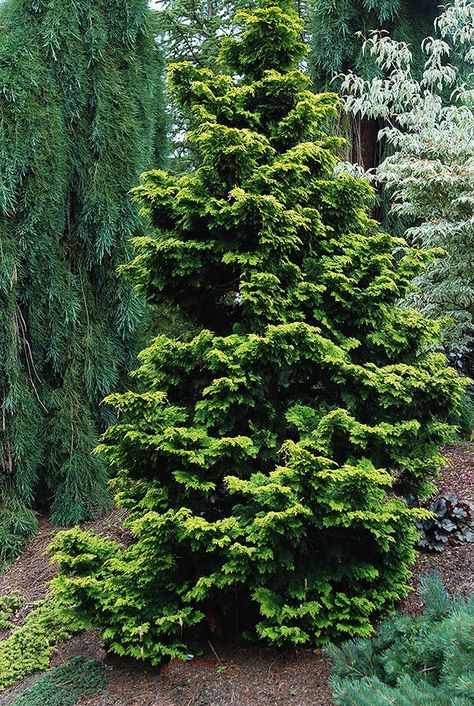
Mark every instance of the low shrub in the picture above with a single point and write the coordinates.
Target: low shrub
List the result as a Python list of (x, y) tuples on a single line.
[(414, 660), (30, 647), (64, 685), (8, 606), (452, 522)]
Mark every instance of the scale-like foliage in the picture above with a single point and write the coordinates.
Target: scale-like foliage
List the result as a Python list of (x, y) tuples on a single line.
[(79, 107), (30, 646), (260, 459)]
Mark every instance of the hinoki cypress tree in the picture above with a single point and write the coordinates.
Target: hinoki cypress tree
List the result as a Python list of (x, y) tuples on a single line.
[(80, 119), (260, 460)]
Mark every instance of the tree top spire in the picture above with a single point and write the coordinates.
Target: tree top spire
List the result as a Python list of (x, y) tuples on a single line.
[(268, 39)]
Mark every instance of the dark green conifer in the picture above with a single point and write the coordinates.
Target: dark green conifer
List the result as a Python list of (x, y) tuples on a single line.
[(261, 459), (192, 29), (335, 28), (80, 118), (335, 47)]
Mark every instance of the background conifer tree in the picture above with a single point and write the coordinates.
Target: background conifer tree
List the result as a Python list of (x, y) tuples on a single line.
[(335, 47), (80, 117), (260, 460), (192, 29)]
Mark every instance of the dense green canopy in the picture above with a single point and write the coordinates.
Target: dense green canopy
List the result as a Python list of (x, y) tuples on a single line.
[(260, 460), (335, 29)]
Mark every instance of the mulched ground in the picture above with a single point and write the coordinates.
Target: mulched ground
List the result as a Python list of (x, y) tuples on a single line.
[(237, 676), (456, 563), (228, 674)]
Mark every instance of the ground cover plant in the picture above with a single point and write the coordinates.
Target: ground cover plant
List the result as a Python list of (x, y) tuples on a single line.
[(9, 604), (261, 461), (451, 522), (65, 684), (414, 660), (29, 647)]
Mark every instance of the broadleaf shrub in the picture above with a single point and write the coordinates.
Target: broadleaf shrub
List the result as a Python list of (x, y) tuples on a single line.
[(261, 460), (413, 660)]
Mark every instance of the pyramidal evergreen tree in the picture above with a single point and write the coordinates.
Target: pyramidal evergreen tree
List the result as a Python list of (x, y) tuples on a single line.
[(261, 460), (80, 119)]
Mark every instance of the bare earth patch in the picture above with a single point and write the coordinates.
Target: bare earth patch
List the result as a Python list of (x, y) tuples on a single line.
[(228, 674), (456, 563), (240, 676)]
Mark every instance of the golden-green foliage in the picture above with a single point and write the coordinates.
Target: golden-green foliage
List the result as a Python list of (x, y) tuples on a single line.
[(9, 604), (262, 460), (29, 648)]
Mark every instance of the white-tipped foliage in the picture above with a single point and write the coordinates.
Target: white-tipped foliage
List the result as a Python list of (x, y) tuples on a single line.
[(429, 173)]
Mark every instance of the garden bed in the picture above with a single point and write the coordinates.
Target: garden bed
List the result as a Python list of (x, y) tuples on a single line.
[(228, 674)]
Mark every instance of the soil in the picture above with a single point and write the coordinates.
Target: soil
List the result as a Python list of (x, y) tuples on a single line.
[(456, 563), (227, 674)]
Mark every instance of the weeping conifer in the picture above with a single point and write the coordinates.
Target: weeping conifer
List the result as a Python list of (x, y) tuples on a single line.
[(80, 118)]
